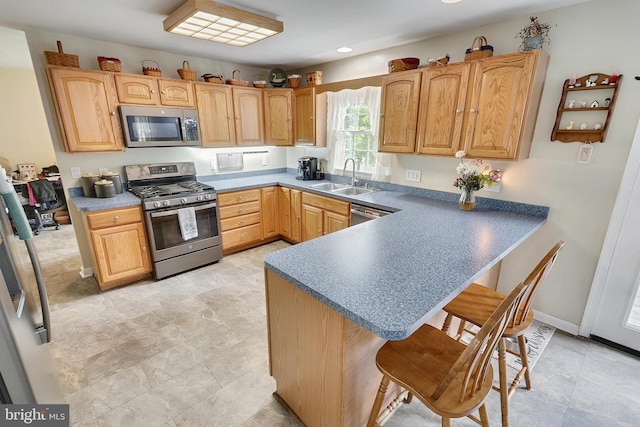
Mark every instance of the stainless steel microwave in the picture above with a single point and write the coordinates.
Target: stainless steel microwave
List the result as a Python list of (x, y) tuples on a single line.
[(159, 127)]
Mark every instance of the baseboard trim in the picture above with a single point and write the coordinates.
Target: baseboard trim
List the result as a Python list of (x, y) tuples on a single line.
[(86, 272), (563, 325)]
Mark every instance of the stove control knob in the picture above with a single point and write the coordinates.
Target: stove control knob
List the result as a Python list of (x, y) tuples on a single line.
[(207, 196), (166, 203), (200, 198), (183, 201), (156, 204)]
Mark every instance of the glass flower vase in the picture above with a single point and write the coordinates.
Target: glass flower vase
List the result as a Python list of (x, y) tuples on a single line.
[(467, 200)]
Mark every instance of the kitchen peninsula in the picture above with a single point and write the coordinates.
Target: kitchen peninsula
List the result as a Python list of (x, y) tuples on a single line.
[(333, 301)]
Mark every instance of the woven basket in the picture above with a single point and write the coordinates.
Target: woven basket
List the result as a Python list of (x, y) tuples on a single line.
[(403, 64), (186, 73), (109, 64), (434, 62), (61, 58), (151, 71), (212, 78), (238, 81), (482, 50), (314, 78)]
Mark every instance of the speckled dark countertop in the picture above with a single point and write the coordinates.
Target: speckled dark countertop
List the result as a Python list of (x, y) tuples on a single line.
[(392, 274)]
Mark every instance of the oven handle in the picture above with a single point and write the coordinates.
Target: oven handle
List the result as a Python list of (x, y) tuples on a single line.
[(156, 214)]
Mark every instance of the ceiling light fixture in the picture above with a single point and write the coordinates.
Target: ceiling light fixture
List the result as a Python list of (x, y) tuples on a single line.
[(451, 1), (344, 49), (208, 20)]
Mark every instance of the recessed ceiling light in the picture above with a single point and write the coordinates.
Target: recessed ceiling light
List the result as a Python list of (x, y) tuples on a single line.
[(344, 49)]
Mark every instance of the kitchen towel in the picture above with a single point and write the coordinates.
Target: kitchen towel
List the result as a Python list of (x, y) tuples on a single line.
[(188, 224)]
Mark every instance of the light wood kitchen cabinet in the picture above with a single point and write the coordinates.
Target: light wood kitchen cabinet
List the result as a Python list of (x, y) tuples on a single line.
[(278, 116), (86, 104), (119, 245), (215, 110), (147, 90), (249, 115), (443, 98), (323, 215), (486, 107), (296, 216), (240, 218), (269, 208), (290, 212), (399, 104), (305, 115)]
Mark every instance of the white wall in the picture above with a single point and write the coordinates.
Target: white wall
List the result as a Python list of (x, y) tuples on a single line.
[(598, 36)]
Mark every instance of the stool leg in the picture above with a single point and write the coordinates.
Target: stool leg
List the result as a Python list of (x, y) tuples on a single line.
[(382, 390), (484, 419), (525, 360), (447, 323), (504, 390)]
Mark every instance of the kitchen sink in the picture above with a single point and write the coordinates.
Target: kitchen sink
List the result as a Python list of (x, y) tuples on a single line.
[(328, 186), (352, 191)]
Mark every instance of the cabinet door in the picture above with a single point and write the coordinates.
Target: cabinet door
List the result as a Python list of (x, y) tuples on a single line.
[(249, 115), (278, 123), (284, 208), (269, 208), (215, 110), (312, 218), (399, 112), (133, 89), (498, 104), (86, 101), (176, 93), (334, 222), (121, 254), (442, 105), (304, 116), (296, 216)]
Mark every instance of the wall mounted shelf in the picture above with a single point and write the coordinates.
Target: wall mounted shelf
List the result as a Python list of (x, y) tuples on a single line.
[(566, 114)]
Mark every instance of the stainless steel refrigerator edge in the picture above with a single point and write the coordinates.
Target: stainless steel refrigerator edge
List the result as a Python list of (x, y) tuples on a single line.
[(27, 371)]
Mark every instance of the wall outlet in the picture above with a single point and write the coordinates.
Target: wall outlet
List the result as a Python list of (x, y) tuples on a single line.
[(213, 165), (264, 161), (76, 173), (102, 171), (495, 188), (412, 175)]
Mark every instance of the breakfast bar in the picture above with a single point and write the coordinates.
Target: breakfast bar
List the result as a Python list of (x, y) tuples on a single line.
[(333, 301)]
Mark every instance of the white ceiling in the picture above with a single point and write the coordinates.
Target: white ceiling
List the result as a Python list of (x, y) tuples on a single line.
[(313, 30)]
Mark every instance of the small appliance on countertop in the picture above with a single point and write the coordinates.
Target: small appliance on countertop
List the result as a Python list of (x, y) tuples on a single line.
[(308, 169)]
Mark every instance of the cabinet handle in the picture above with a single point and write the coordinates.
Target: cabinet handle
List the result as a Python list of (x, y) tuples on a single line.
[(237, 117), (116, 218), (310, 117), (153, 91), (144, 248), (242, 236), (458, 111), (162, 92), (241, 222), (240, 210), (113, 113), (472, 110), (240, 198)]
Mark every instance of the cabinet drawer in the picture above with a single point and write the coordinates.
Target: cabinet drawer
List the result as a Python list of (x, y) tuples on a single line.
[(239, 221), (239, 209), (334, 205), (241, 236), (112, 218), (226, 199)]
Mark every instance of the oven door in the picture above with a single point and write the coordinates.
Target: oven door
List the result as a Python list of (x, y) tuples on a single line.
[(166, 238)]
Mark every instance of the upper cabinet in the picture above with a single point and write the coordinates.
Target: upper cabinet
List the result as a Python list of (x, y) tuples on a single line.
[(278, 116), (249, 115), (86, 103), (486, 107), (147, 90), (305, 115), (215, 110)]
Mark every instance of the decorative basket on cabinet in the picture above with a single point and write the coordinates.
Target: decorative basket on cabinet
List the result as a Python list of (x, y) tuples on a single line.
[(186, 73), (151, 71)]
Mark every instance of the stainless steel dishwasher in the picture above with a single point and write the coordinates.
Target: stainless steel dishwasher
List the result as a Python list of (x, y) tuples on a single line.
[(360, 214)]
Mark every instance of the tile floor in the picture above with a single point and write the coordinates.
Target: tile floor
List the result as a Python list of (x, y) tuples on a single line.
[(191, 351)]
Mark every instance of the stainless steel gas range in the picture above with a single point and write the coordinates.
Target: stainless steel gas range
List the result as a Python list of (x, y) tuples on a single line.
[(181, 216)]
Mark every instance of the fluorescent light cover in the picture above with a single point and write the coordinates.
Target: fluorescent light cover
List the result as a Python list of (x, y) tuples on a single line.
[(451, 1), (208, 20), (344, 49)]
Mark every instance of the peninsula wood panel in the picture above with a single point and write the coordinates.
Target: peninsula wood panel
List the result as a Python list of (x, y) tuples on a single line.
[(323, 363)]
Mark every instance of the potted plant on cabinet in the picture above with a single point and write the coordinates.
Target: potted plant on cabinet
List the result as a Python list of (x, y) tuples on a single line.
[(534, 35)]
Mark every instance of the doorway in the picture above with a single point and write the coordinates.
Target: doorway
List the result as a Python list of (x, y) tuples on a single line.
[(612, 314)]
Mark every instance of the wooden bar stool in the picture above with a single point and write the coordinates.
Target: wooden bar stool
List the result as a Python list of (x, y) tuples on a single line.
[(475, 305), (451, 379)]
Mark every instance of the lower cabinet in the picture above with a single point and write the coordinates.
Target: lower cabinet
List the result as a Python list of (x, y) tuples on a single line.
[(240, 219), (323, 215), (269, 208), (119, 245), (290, 213)]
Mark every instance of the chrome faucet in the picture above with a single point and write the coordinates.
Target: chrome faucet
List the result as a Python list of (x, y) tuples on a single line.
[(353, 177)]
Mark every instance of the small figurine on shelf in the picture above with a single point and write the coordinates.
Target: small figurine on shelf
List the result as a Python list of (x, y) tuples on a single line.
[(605, 81), (613, 78), (569, 126), (595, 104), (572, 81), (572, 103), (607, 102), (583, 104), (583, 126), (597, 126)]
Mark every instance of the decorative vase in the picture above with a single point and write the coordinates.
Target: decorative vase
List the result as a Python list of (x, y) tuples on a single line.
[(467, 200), (532, 43)]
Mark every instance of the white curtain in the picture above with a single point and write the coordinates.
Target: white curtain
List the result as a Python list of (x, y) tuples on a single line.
[(337, 104)]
